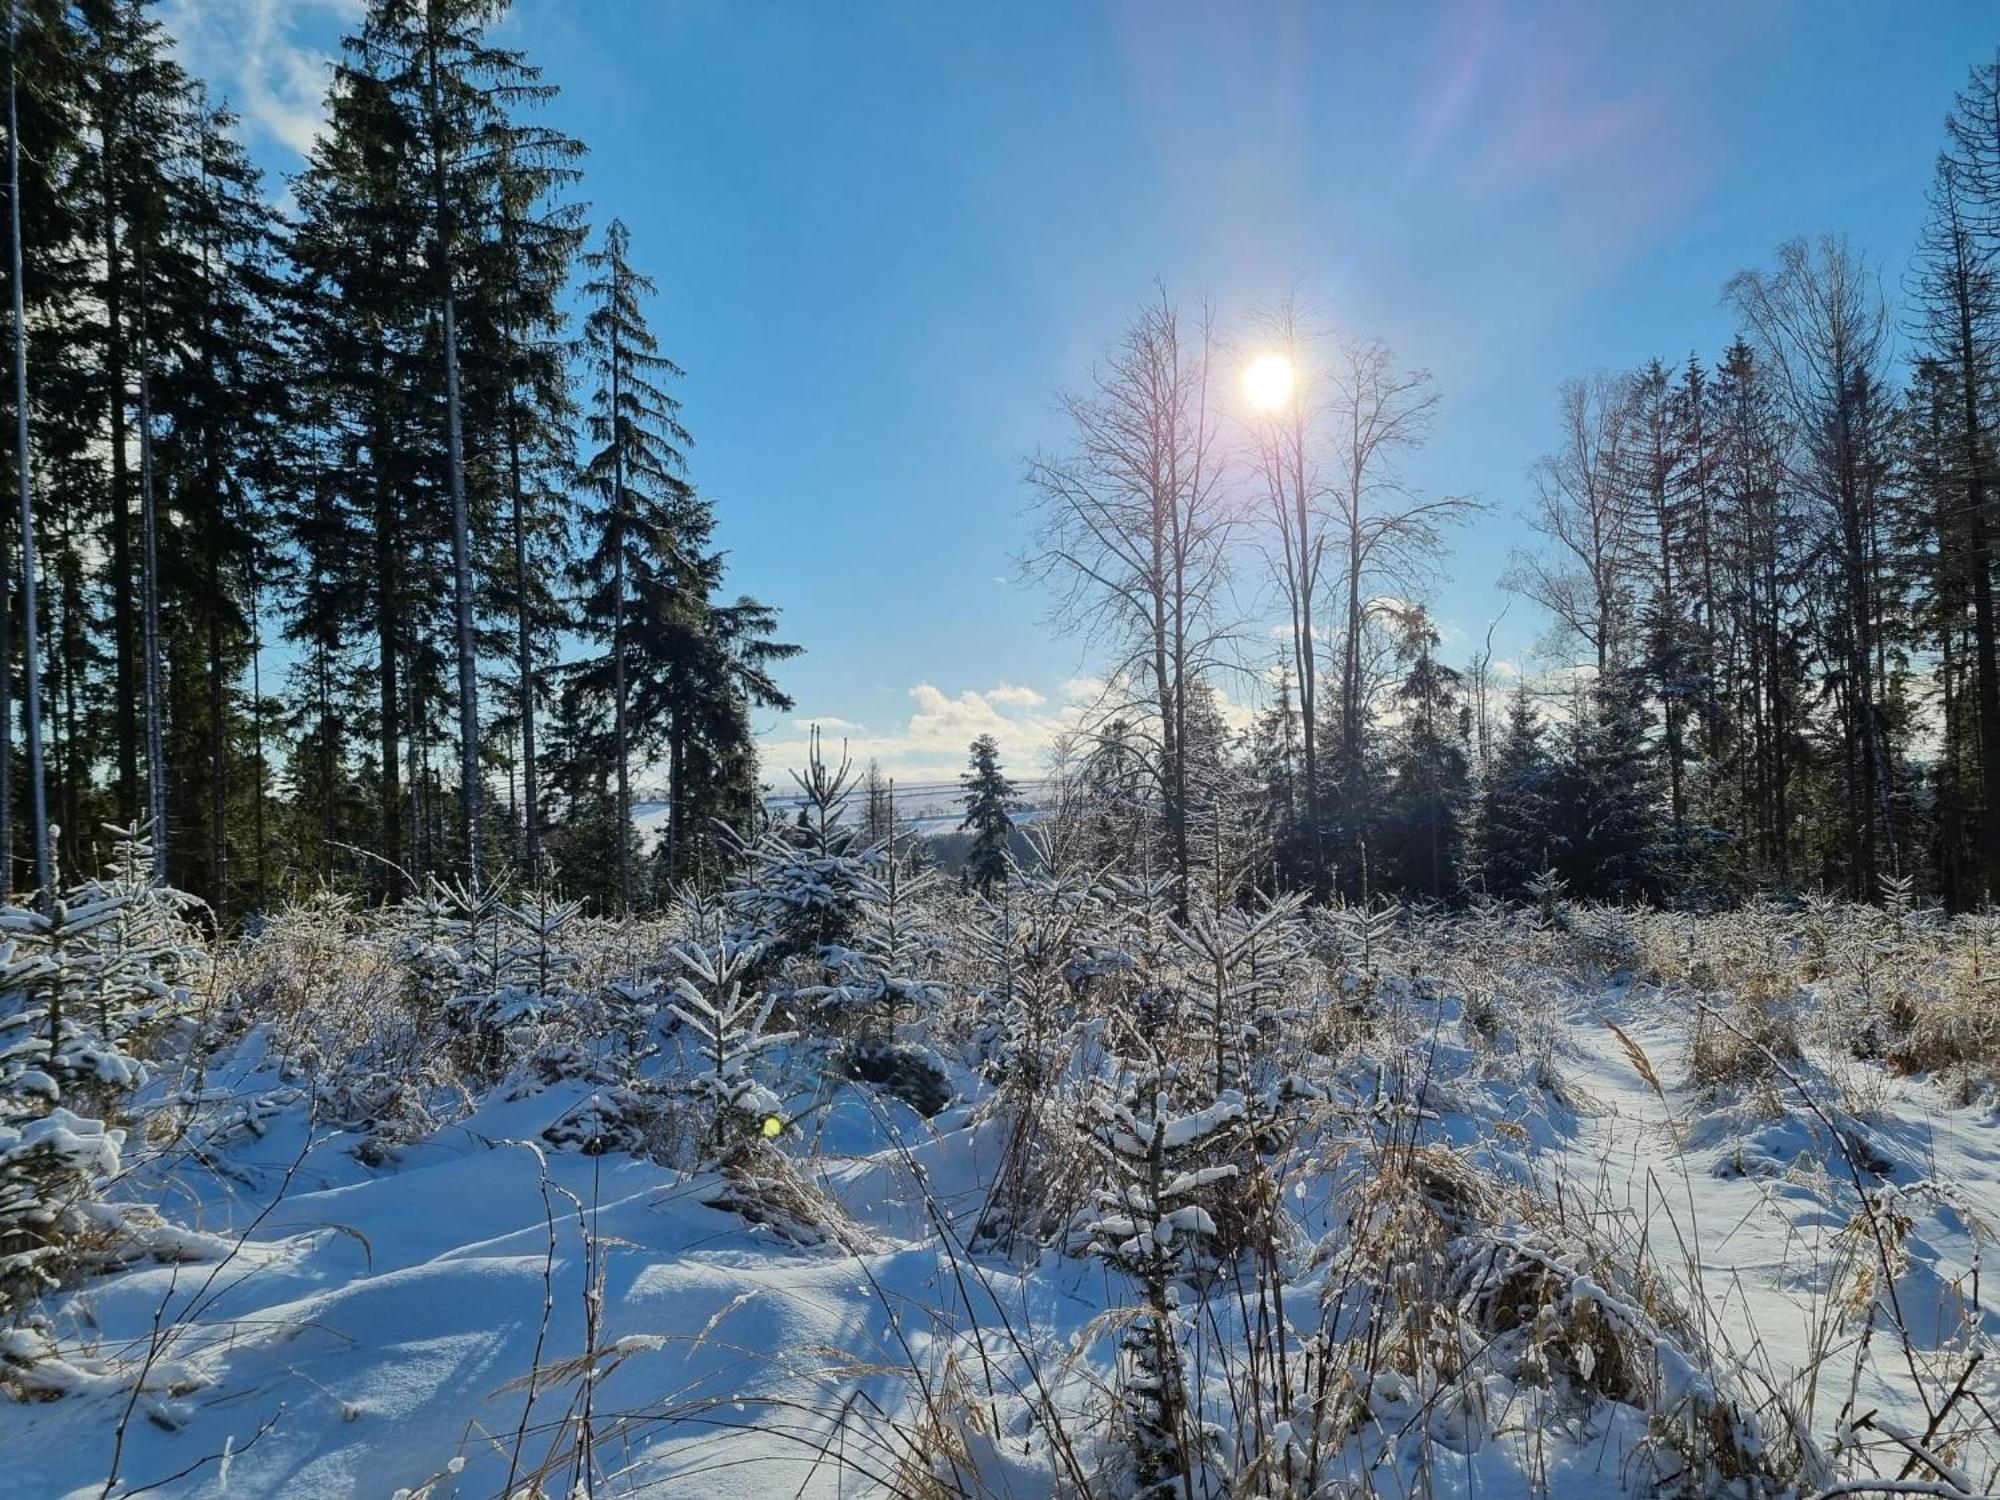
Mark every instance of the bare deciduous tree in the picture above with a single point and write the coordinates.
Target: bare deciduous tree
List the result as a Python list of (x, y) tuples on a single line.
[(1384, 536), (1134, 537), (1581, 581), (1285, 442)]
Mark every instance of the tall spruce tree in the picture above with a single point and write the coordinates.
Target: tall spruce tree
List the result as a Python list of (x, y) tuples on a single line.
[(1610, 797), (1957, 287), (1517, 821), (427, 207), (643, 567)]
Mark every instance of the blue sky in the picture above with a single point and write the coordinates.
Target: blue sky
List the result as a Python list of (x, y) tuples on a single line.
[(886, 234)]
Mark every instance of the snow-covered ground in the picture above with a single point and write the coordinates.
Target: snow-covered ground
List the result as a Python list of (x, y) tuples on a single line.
[(479, 1313), (1756, 1199)]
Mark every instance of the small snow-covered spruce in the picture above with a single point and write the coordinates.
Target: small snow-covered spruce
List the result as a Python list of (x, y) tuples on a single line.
[(1822, 923), (1138, 949), (475, 918), (1357, 937), (1899, 894), (726, 1029), (804, 885), (500, 972), (535, 959), (427, 937), (888, 971), (534, 972), (147, 956), (1237, 957), (698, 912), (1156, 1164), (886, 980), (51, 1168), (1023, 939), (1546, 893), (52, 976), (76, 980)]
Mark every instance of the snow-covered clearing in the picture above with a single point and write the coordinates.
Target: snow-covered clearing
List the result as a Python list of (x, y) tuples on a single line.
[(1523, 1232)]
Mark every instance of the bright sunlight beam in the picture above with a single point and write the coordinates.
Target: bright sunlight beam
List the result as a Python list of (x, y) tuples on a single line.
[(1267, 383)]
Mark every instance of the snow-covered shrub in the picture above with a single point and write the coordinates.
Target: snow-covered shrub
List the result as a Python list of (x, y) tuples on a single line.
[(623, 1117), (725, 1031), (1744, 1043), (1237, 958), (52, 1167), (803, 887), (352, 1002), (1158, 1165)]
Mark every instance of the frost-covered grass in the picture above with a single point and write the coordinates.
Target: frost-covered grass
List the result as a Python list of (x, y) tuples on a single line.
[(845, 1184)]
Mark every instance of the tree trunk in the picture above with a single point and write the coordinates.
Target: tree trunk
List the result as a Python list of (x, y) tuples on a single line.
[(461, 531), (531, 827), (156, 758), (1979, 537), (618, 728), (388, 629), (38, 810), (218, 742)]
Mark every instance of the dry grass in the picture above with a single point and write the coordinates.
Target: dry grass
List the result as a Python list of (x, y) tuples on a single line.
[(1441, 1275)]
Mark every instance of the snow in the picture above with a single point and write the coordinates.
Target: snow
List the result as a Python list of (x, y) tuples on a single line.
[(1760, 1243), (332, 1328)]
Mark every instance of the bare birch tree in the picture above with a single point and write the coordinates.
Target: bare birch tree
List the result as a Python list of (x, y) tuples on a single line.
[(1385, 537), (1133, 538), (1285, 444)]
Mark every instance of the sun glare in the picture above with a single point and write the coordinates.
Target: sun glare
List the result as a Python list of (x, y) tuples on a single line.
[(1268, 382)]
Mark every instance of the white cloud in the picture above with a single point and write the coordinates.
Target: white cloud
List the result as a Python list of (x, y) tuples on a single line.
[(252, 55), (930, 745), (1016, 697)]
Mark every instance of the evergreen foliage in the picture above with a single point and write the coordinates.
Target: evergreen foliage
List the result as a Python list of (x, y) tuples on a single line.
[(989, 807)]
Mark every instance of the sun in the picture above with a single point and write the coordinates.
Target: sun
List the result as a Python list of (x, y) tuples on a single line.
[(1267, 382)]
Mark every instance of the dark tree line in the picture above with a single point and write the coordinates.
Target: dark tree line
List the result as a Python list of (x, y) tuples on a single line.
[(367, 546), (1780, 566), (1766, 575)]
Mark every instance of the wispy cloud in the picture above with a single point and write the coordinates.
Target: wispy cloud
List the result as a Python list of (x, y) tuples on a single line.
[(1016, 697), (270, 59)]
